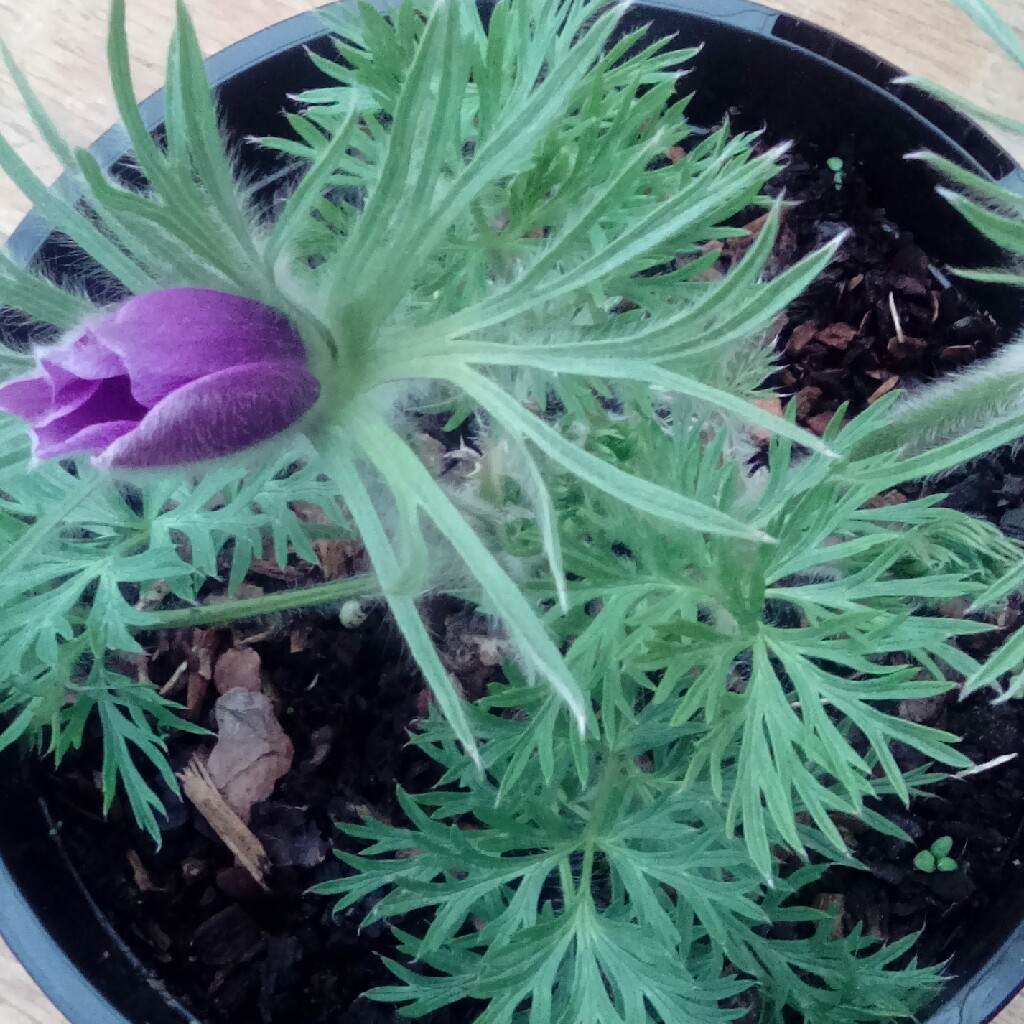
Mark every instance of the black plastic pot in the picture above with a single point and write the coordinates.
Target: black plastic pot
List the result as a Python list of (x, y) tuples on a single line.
[(826, 93)]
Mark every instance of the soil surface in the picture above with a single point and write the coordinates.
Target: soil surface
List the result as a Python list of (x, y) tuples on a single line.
[(228, 949), (882, 316)]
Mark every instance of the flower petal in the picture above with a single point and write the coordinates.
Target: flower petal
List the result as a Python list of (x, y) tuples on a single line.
[(38, 400), (94, 438), (223, 413), (166, 339), (28, 397), (72, 396), (80, 356), (110, 401)]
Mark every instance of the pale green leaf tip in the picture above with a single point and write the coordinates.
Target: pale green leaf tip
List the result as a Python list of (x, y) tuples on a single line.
[(183, 17), (779, 150), (580, 714), (838, 241)]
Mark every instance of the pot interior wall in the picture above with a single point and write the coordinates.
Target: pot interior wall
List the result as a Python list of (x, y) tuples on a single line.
[(756, 67)]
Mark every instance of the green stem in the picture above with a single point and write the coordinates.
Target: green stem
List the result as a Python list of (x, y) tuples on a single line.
[(365, 585), (569, 893), (605, 788)]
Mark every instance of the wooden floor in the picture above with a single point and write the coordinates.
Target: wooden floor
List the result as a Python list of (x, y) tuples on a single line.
[(60, 43)]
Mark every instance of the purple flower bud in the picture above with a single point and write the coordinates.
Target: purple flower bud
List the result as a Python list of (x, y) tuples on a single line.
[(178, 376)]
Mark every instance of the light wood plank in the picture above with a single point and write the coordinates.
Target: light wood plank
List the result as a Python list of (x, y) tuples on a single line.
[(20, 1001), (60, 43)]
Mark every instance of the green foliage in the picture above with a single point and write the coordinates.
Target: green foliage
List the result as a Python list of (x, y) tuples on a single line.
[(742, 701), (600, 889), (787, 656), (84, 555), (484, 225), (996, 211), (836, 166), (979, 408), (988, 19), (503, 214), (474, 208)]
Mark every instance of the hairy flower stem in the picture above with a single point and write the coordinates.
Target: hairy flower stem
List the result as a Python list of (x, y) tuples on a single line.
[(365, 585)]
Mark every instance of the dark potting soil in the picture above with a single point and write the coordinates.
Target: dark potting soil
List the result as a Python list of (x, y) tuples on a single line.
[(884, 316), (881, 316), (227, 949)]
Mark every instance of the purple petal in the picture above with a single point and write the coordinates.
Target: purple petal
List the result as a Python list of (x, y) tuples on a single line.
[(167, 339), (71, 396), (175, 376), (94, 438), (27, 397), (69, 372), (37, 400), (223, 413), (80, 356), (109, 401)]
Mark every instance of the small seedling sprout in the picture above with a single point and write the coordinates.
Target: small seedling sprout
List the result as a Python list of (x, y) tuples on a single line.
[(836, 166), (937, 857)]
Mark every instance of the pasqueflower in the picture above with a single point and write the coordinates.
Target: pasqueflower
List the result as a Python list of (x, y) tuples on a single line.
[(172, 377)]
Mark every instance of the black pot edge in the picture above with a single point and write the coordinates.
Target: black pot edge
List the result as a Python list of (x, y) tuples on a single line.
[(796, 33), (111, 146), (49, 966), (789, 31), (44, 960), (989, 990)]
